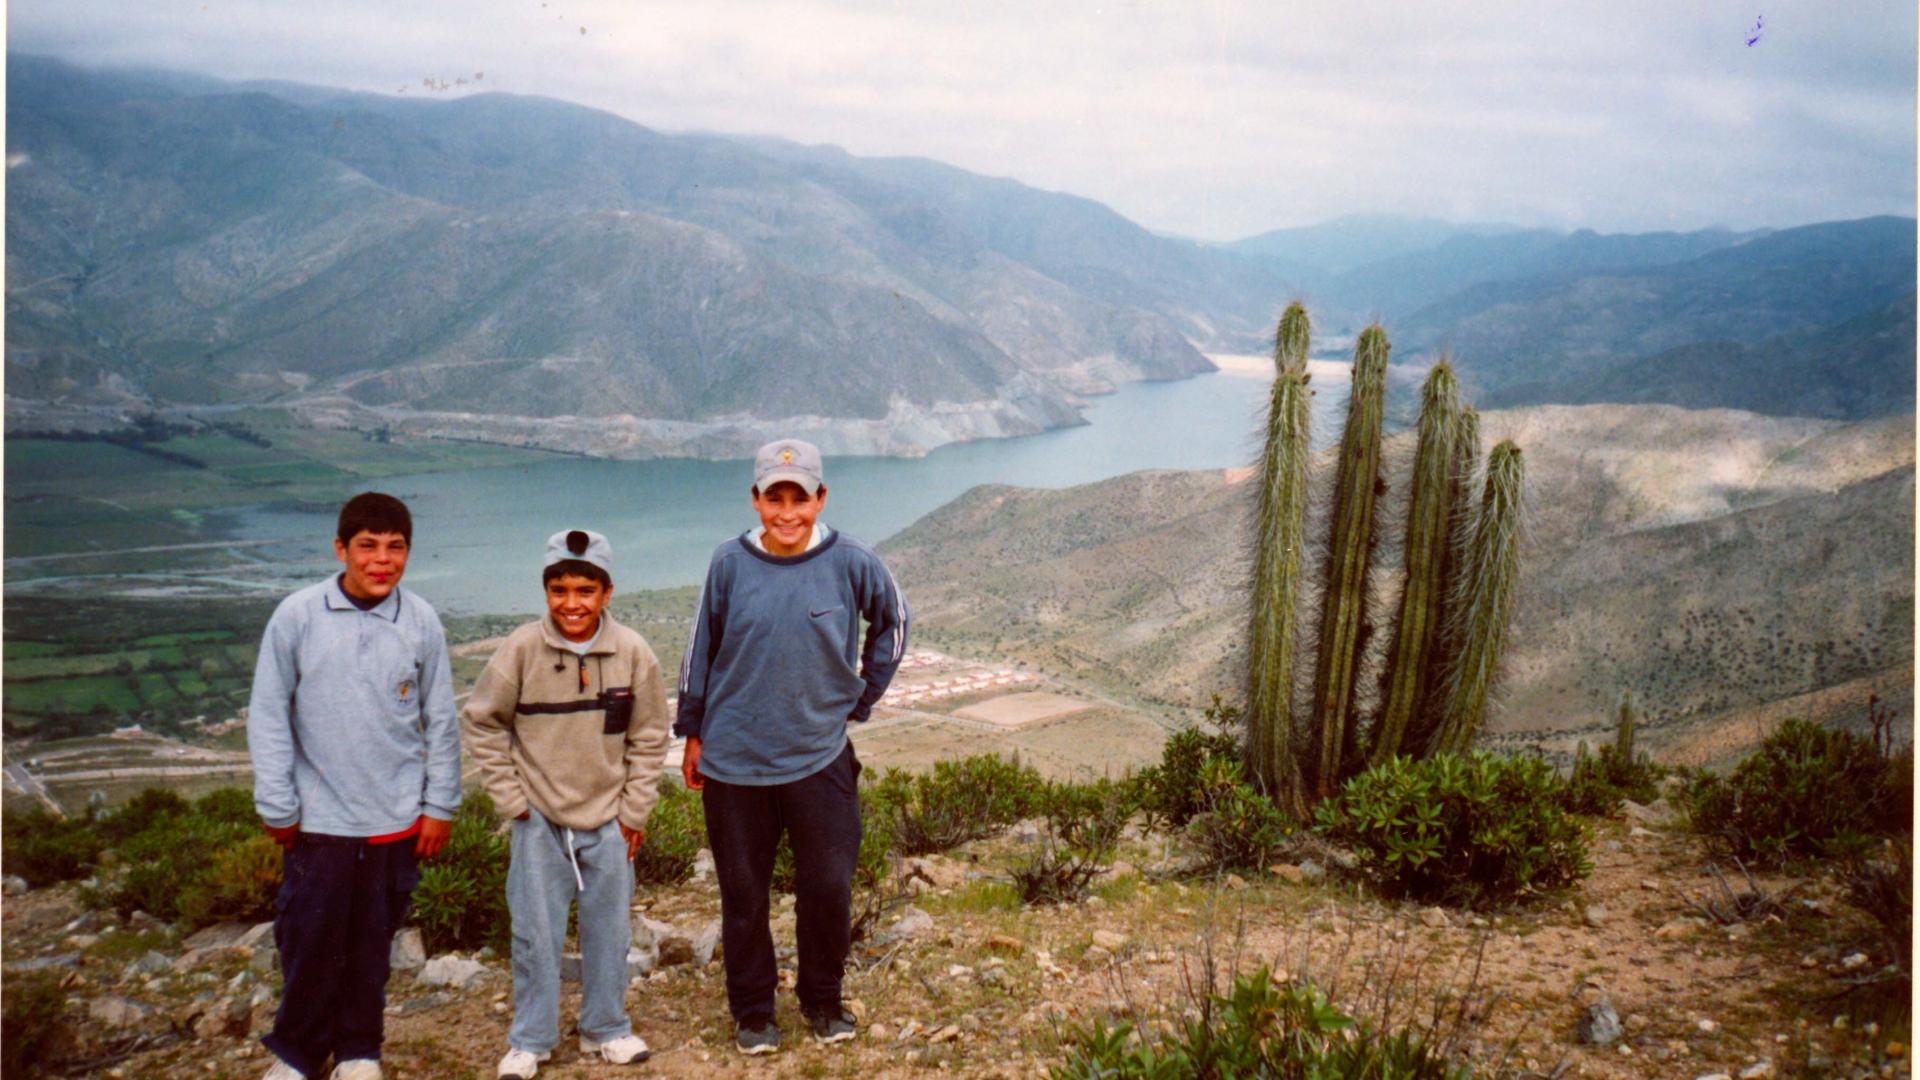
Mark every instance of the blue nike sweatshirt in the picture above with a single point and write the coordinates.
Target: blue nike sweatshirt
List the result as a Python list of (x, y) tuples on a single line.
[(776, 665)]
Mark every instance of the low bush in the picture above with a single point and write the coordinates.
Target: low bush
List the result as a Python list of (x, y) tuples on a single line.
[(172, 859), (958, 801), (1058, 872), (239, 885), (1806, 791), (1474, 830), (44, 849), (151, 807), (1237, 827), (1260, 1028), (676, 831), (1881, 884), (1170, 792), (461, 901), (33, 1024), (1091, 815)]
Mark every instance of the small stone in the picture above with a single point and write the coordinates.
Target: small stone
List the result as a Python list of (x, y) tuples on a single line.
[(1110, 940), (1636, 1023), (409, 952), (1637, 832), (912, 922), (1600, 1024), (703, 864), (1235, 881), (1759, 1070), (261, 932), (878, 1031), (1313, 871), (1713, 1076), (1005, 943), (1649, 884), (266, 958), (1434, 917), (450, 970), (946, 1034), (1707, 1027), (117, 1012), (1288, 873), (500, 1007), (1096, 956), (218, 936), (1680, 927), (142, 922), (1855, 962), (13, 885), (229, 1018), (1595, 915), (706, 944), (81, 942), (153, 962)]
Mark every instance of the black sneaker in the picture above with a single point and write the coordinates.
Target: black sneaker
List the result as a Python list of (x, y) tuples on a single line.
[(762, 1037), (831, 1025)]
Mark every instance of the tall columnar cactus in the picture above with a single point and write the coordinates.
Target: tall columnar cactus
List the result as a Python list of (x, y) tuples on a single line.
[(1290, 340), (1623, 730), (1272, 756), (1343, 623), (1404, 681), (1444, 650), (1490, 572)]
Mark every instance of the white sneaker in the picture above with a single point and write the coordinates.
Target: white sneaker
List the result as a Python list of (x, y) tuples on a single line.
[(283, 1071), (520, 1065), (625, 1050), (357, 1069)]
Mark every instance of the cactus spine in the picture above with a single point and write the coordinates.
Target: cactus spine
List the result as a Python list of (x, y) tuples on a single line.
[(1407, 672), (1489, 572), (1272, 757), (1343, 626)]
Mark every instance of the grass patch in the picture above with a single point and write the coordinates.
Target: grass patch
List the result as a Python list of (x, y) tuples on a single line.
[(978, 898)]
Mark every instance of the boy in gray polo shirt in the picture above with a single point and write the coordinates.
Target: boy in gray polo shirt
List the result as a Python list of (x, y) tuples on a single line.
[(775, 669), (356, 773)]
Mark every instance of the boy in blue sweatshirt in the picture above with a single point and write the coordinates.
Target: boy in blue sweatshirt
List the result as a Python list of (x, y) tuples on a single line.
[(775, 669), (356, 765)]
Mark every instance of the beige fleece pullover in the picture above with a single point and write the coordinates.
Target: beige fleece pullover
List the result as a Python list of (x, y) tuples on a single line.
[(537, 727)]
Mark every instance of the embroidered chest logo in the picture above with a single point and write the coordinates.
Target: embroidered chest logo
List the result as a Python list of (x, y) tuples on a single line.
[(406, 690)]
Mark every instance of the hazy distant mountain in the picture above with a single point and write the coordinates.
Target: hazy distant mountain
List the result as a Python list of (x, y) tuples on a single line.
[(1550, 337), (179, 240), (1351, 241), (1713, 562)]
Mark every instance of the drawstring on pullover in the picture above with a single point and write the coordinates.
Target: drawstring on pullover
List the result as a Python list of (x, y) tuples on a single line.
[(574, 858)]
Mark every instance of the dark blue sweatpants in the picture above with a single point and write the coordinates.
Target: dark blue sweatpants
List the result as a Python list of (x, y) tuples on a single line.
[(820, 815), (340, 901)]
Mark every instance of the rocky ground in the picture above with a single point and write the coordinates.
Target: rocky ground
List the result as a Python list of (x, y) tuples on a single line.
[(1622, 977)]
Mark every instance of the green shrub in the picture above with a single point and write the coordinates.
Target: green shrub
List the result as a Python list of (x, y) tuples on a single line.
[(1091, 815), (144, 811), (461, 901), (1258, 1029), (958, 801), (169, 860), (1598, 782), (239, 886), (1057, 872), (676, 831), (1806, 791), (44, 849), (33, 1024), (1475, 830), (1881, 884), (229, 804), (1238, 827), (1170, 791)]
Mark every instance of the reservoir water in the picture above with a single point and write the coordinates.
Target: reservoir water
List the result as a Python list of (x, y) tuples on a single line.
[(479, 533)]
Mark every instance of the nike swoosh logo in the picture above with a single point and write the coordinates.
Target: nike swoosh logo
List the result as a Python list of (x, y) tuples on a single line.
[(817, 612)]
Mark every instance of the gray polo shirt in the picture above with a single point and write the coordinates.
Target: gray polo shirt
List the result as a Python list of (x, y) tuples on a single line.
[(351, 725)]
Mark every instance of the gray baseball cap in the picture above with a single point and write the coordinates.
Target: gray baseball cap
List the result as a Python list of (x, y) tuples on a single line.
[(788, 459), (580, 545)]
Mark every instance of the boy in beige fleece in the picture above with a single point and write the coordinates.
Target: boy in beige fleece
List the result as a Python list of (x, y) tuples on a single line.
[(568, 725)]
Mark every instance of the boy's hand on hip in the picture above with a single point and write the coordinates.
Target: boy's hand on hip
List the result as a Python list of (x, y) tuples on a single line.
[(283, 835), (433, 836), (690, 765), (634, 838)]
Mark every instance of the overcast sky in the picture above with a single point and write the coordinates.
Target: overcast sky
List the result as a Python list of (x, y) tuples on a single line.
[(1212, 120)]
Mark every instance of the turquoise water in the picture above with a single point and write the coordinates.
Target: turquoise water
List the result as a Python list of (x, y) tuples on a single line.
[(479, 534)]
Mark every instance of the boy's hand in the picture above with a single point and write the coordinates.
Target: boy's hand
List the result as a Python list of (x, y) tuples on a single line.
[(690, 765), (433, 836), (634, 838), (283, 835)]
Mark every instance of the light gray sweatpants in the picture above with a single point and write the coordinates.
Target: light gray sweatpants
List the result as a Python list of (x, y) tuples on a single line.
[(552, 867)]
